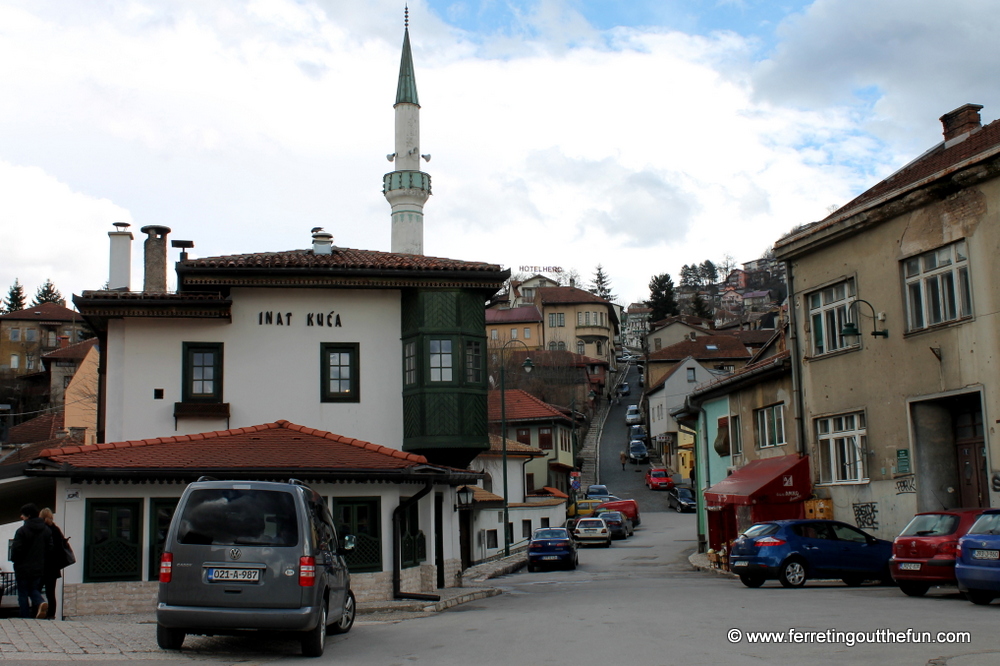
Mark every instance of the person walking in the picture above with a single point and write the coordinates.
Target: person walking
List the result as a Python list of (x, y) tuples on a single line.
[(32, 541), (623, 457), (55, 562)]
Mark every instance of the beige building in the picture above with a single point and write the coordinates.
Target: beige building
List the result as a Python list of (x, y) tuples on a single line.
[(522, 323), (578, 321), (895, 419), (27, 334)]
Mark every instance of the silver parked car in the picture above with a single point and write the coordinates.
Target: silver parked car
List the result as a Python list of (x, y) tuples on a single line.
[(632, 415), (253, 555)]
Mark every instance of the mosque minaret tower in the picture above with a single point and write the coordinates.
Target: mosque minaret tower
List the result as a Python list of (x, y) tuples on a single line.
[(407, 188)]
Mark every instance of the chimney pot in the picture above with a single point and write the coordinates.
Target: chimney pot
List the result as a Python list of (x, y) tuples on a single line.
[(322, 242), (120, 269), (961, 121), (155, 248)]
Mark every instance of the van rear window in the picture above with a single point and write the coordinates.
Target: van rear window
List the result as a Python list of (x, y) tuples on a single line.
[(229, 516)]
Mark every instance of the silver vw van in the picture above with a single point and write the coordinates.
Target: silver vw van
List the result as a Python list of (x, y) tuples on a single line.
[(253, 555)]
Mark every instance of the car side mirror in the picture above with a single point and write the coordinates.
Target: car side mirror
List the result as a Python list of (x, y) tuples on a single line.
[(872, 541), (348, 542)]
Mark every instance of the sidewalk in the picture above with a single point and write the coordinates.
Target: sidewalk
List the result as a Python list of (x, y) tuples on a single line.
[(133, 636)]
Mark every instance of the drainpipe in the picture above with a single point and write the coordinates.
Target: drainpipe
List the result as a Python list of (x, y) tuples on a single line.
[(793, 340), (397, 544)]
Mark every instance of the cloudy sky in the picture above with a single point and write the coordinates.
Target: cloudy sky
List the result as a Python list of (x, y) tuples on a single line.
[(636, 134)]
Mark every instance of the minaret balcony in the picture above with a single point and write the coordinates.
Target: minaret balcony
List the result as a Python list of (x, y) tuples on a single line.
[(406, 180)]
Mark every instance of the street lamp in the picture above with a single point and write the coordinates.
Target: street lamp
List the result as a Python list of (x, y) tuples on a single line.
[(850, 331), (527, 365)]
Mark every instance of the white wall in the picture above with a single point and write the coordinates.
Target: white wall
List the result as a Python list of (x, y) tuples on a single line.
[(270, 372)]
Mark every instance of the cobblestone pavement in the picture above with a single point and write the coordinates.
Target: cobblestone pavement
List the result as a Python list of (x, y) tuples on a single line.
[(133, 636)]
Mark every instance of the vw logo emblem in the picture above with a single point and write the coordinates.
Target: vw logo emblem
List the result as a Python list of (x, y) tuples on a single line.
[(235, 553)]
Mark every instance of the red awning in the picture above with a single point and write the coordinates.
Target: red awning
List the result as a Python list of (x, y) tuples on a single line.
[(769, 481)]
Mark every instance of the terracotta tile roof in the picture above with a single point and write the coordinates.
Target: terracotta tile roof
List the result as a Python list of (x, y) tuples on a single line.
[(272, 446), (555, 492), (26, 452), (663, 380), (43, 312), (938, 162), (340, 258), (74, 351), (568, 295), (744, 373), (522, 406), (703, 347), (751, 338), (482, 495), (38, 429), (554, 358), (525, 313), (540, 502)]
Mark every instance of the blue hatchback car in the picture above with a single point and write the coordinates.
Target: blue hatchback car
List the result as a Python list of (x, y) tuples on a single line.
[(977, 563), (793, 551)]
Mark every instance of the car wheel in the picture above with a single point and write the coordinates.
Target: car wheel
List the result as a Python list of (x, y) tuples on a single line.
[(914, 589), (169, 638), (314, 640), (980, 597), (571, 565), (532, 568), (607, 544), (752, 581), (793, 574), (853, 581), (679, 509), (347, 615)]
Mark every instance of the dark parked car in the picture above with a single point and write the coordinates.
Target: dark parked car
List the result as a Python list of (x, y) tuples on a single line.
[(681, 499), (624, 389), (253, 555), (597, 490), (637, 452), (627, 506), (637, 432), (977, 564), (792, 551), (619, 524), (552, 546), (924, 552)]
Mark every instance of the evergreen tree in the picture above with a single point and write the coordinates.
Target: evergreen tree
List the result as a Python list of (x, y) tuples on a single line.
[(690, 275), (661, 297), (708, 272), (601, 286), (14, 300), (48, 293), (699, 308)]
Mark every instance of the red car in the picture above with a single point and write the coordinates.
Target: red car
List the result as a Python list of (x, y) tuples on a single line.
[(924, 552), (627, 506), (658, 478)]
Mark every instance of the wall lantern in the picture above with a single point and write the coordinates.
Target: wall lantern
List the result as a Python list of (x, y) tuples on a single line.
[(464, 496), (850, 331)]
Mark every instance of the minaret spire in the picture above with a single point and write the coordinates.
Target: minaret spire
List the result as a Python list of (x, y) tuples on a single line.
[(407, 188)]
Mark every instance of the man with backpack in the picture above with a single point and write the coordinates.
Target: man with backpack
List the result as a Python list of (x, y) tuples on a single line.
[(32, 541)]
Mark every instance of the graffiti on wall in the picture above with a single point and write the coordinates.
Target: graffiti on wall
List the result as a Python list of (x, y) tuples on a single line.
[(866, 515), (907, 484)]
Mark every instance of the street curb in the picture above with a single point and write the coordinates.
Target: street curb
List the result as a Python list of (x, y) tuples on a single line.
[(465, 598), (699, 561)]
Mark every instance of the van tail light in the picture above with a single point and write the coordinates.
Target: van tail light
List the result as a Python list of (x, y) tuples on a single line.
[(948, 548), (307, 571), (166, 567), (769, 541)]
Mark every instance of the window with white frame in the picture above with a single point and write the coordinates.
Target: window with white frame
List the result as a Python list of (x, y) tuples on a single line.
[(31, 335), (937, 286), (494, 334), (527, 333), (557, 319), (579, 319), (691, 375), (15, 361), (842, 441), (600, 348), (828, 315), (410, 362), (15, 335), (735, 434), (770, 426), (440, 361), (513, 334), (581, 348)]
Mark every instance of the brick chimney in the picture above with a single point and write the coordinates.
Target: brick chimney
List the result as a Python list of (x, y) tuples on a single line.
[(961, 121)]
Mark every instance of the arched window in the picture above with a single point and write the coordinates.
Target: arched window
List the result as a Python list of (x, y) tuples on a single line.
[(562, 346), (581, 348), (552, 346)]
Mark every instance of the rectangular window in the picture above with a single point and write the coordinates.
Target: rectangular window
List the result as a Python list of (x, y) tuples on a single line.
[(587, 319), (15, 335), (340, 380), (579, 319), (524, 436), (770, 426), (473, 362), (692, 376), (494, 335), (527, 333), (513, 334), (491, 538), (842, 441), (529, 482), (545, 439), (410, 363), (828, 314), (29, 362), (112, 541), (937, 286), (31, 335), (15, 361), (526, 529), (440, 361), (544, 522), (557, 319), (202, 372), (735, 434)]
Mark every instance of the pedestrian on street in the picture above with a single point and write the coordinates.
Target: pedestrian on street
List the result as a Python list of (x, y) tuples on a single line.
[(32, 541), (623, 457), (55, 562)]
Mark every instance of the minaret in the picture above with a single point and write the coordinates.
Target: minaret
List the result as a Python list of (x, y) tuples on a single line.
[(407, 188)]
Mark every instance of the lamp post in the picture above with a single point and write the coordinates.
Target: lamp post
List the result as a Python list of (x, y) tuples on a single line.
[(527, 365), (850, 331)]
